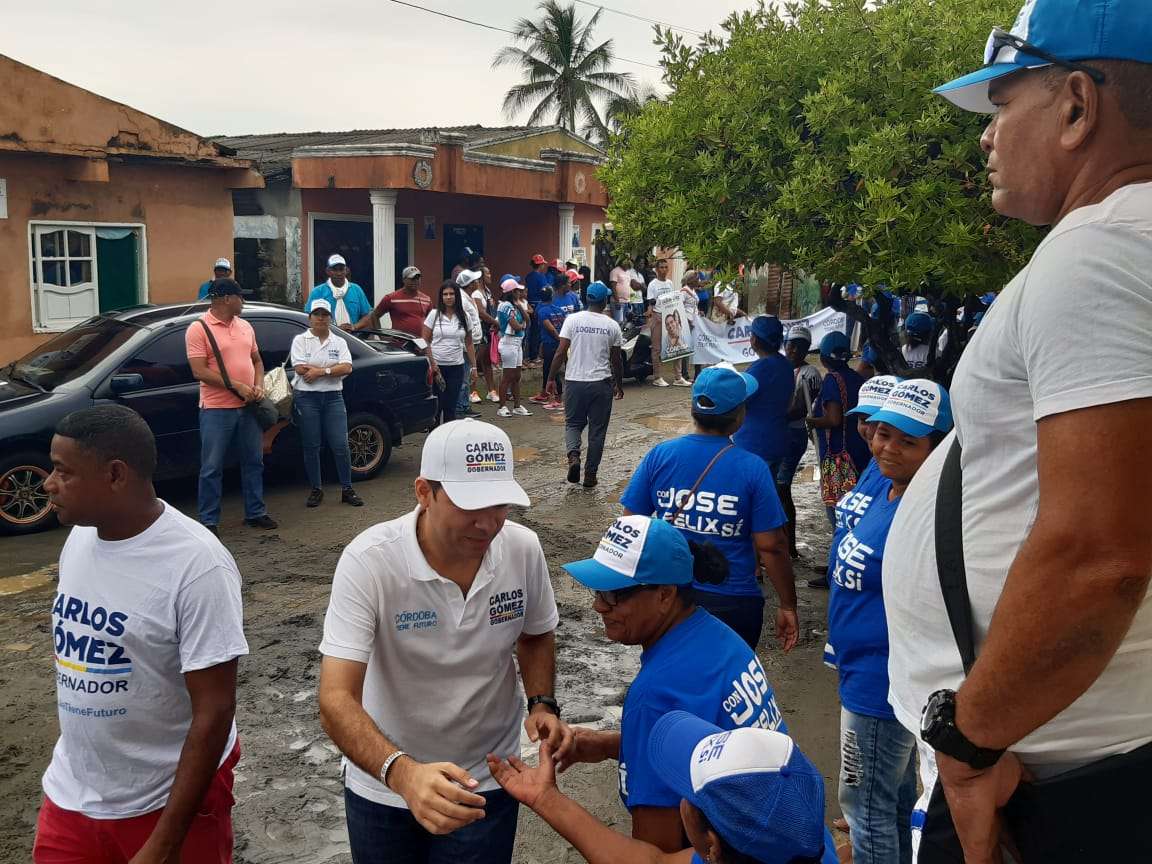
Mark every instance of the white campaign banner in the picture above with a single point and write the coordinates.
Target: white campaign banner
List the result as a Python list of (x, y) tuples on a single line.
[(675, 334), (717, 343)]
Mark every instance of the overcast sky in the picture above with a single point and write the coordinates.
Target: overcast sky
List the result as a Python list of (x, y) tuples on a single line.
[(237, 66)]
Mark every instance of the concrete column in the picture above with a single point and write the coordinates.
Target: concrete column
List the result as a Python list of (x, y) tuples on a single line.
[(383, 241), (566, 213)]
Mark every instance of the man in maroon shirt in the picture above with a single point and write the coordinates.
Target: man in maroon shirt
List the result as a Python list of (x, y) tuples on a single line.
[(408, 306)]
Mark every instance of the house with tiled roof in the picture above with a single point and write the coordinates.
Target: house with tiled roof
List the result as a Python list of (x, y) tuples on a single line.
[(388, 198)]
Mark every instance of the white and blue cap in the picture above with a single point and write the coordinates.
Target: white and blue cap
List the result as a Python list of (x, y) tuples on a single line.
[(873, 393), (636, 550), (756, 788), (1071, 30), (917, 407), (722, 388)]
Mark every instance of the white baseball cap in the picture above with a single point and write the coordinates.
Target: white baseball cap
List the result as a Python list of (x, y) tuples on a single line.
[(473, 462), (410, 273), (917, 407), (222, 264), (873, 394), (336, 260), (467, 277), (319, 304)]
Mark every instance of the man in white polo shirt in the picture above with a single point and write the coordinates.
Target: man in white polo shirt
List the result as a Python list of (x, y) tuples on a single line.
[(418, 682)]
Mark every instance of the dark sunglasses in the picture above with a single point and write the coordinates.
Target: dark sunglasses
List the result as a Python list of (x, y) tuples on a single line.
[(1002, 39), (612, 599)]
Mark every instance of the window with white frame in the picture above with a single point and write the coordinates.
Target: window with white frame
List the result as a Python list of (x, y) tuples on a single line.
[(82, 270)]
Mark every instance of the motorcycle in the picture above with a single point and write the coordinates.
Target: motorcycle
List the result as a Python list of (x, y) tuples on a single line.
[(636, 347)]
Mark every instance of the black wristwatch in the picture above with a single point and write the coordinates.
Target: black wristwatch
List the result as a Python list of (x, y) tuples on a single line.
[(548, 701), (939, 731)]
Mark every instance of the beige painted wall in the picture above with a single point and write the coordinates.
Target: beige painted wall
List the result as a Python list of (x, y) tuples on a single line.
[(530, 148), (187, 214)]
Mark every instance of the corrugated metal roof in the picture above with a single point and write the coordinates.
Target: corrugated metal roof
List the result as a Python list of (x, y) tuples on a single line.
[(273, 153)]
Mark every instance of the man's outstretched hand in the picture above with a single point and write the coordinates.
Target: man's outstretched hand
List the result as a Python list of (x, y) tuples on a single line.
[(527, 785)]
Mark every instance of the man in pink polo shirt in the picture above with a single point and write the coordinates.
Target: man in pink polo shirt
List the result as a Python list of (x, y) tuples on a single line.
[(226, 426)]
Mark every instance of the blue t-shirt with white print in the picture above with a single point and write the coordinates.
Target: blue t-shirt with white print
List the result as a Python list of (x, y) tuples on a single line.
[(736, 500), (857, 625), (700, 666)]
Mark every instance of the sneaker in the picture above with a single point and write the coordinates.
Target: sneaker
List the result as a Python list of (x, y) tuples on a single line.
[(504, 411), (314, 498), (681, 381), (554, 406), (470, 413), (349, 496), (820, 584), (574, 466), (266, 522), (659, 382), (492, 397), (589, 481), (539, 398), (473, 397), (521, 411)]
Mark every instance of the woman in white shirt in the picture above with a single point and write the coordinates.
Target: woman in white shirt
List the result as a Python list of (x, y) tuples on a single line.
[(321, 359), (449, 341)]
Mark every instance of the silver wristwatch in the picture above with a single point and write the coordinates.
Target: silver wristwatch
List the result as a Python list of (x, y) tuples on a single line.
[(388, 764)]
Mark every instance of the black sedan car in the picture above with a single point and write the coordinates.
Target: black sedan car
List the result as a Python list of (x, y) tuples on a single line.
[(136, 357)]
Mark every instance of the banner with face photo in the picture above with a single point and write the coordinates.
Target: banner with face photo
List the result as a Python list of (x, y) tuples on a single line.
[(720, 342), (675, 334)]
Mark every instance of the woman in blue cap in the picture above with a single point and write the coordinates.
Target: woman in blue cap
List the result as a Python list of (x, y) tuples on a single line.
[(712, 490), (878, 755), (765, 428), (838, 395), (918, 330), (642, 575), (746, 797)]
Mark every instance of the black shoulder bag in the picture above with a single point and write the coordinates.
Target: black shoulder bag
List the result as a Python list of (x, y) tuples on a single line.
[(1091, 814), (264, 410)]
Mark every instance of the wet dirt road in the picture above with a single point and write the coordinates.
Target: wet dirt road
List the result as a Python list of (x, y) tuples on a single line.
[(288, 790)]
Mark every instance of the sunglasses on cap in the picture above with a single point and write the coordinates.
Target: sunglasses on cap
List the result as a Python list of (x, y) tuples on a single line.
[(1001, 39)]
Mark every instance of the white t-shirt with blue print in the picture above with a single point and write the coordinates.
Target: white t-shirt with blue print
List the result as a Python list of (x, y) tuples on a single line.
[(736, 500), (700, 666)]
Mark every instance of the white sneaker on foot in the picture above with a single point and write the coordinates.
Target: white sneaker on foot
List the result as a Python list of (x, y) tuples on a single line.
[(474, 397), (504, 411), (521, 411), (681, 381), (492, 397), (659, 382)]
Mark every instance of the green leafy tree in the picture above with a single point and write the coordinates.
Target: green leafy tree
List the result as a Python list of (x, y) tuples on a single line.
[(808, 135), (617, 111), (566, 76)]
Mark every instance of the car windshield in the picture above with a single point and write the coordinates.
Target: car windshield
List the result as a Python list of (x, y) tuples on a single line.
[(72, 353)]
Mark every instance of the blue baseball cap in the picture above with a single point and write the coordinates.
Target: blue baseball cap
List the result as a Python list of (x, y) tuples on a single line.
[(636, 550), (760, 793), (919, 323), (1068, 30), (835, 344), (722, 388), (917, 407), (598, 292), (768, 329), (511, 276), (873, 393)]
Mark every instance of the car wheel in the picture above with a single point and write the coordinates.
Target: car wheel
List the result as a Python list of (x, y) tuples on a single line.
[(369, 445), (24, 506)]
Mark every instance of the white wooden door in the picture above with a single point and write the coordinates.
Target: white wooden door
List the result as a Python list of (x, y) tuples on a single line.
[(67, 290)]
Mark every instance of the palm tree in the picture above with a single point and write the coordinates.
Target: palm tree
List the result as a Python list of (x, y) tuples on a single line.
[(619, 109), (564, 77)]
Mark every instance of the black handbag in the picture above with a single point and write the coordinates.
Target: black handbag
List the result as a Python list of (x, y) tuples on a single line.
[(1091, 814), (264, 410)]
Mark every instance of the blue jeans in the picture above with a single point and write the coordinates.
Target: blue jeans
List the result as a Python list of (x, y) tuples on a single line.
[(877, 787), (391, 835), (548, 350), (464, 400), (225, 431), (744, 614), (453, 378), (322, 418), (787, 467)]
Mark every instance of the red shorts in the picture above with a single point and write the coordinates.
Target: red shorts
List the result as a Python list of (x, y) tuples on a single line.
[(68, 837)]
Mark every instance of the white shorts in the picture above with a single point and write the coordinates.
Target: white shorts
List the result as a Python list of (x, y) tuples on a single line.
[(511, 352)]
